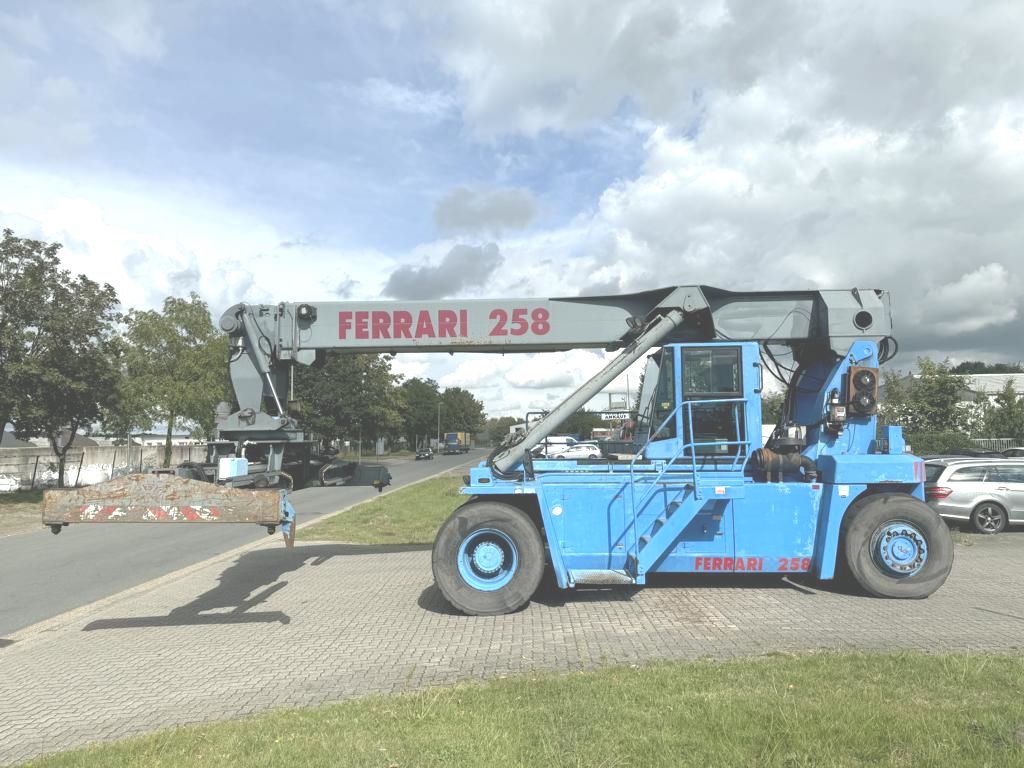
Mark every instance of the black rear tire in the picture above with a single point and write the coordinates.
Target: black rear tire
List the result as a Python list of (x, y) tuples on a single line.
[(516, 534), (989, 518), (865, 524)]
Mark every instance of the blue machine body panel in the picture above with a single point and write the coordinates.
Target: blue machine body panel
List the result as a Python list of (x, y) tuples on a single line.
[(689, 502)]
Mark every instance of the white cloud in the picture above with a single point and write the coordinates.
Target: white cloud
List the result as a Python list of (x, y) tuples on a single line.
[(28, 30), (131, 25), (987, 296), (783, 145), (151, 242), (403, 99), (510, 385)]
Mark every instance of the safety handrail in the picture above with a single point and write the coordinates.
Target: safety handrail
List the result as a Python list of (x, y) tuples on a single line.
[(740, 458)]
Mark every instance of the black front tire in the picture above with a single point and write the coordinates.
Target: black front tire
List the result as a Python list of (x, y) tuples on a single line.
[(861, 526), (512, 523), (989, 518)]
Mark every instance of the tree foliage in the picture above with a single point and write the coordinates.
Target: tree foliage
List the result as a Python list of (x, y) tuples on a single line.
[(174, 369), (932, 402), (1005, 416), (974, 366), (582, 423), (461, 411), (420, 416), (771, 407), (498, 428), (350, 396), (56, 345)]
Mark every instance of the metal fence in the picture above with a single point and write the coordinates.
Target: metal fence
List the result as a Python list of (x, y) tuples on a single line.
[(997, 443)]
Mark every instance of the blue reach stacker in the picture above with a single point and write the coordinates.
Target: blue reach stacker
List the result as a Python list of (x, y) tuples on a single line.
[(696, 492)]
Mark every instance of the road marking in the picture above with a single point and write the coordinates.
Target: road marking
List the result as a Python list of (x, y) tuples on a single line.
[(61, 620)]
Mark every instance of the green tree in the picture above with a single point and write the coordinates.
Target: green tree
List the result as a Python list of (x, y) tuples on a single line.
[(976, 366), (771, 407), (419, 417), (935, 397), (498, 428), (175, 371), (28, 272), (931, 402), (1005, 417), (582, 423), (354, 396), (461, 412), (56, 345)]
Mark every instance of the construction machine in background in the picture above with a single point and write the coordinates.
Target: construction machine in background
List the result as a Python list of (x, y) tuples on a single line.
[(697, 491)]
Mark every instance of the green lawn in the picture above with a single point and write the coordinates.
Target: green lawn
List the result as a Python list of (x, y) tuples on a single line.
[(409, 515), (20, 497), (786, 711)]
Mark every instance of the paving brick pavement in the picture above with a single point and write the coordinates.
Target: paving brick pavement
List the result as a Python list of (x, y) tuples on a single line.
[(275, 628)]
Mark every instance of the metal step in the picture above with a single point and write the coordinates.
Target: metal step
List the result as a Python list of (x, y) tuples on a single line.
[(595, 576)]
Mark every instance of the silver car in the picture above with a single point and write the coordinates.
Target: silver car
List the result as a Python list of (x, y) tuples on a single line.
[(987, 493)]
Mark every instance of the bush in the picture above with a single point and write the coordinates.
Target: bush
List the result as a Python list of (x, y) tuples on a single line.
[(939, 442)]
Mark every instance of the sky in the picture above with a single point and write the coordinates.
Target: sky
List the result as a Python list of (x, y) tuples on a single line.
[(325, 150)]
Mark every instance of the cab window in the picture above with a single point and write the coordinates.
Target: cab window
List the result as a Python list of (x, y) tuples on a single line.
[(664, 399), (713, 373)]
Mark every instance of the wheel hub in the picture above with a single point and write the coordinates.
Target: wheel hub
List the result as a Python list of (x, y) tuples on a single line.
[(900, 549), (488, 557)]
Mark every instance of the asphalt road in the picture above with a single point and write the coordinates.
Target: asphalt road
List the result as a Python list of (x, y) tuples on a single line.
[(42, 575)]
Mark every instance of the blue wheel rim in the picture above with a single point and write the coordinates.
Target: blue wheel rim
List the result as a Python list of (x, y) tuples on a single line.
[(899, 549), (488, 559)]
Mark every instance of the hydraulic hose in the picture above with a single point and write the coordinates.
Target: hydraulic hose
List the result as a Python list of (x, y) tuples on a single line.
[(770, 461)]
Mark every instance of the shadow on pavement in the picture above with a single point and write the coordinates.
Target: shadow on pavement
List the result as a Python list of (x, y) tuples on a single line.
[(247, 583), (432, 600), (548, 593)]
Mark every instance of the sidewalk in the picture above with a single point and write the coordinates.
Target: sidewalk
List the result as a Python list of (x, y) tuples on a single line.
[(276, 628)]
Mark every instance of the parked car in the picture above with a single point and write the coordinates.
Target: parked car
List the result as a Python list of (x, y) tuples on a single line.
[(975, 453), (578, 451), (1014, 453), (987, 493), (424, 453)]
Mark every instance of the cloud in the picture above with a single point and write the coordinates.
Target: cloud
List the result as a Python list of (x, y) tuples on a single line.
[(27, 30), (884, 159), (130, 25), (530, 67), (987, 296), (345, 288), (464, 210), (463, 266), (403, 99)]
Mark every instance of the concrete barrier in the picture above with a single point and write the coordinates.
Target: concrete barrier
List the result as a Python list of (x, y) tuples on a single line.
[(37, 467)]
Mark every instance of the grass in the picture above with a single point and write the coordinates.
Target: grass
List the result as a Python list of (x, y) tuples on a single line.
[(409, 515), (20, 497), (20, 511), (786, 711)]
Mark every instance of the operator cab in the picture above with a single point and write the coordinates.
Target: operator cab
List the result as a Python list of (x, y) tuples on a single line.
[(696, 403)]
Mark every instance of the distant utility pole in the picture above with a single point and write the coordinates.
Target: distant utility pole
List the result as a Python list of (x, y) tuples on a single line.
[(439, 423)]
